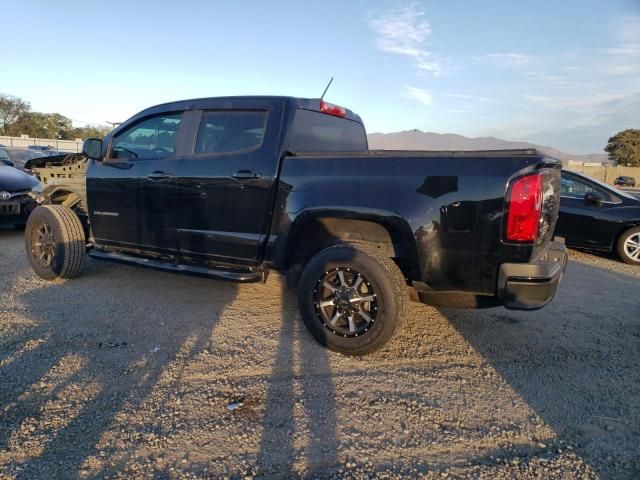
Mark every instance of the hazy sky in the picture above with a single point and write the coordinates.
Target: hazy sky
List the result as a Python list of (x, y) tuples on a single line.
[(564, 73)]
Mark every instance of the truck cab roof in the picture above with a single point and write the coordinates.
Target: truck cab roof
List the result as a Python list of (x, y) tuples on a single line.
[(313, 104)]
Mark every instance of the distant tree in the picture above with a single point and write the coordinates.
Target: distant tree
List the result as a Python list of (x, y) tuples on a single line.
[(91, 131), (42, 125), (61, 126), (11, 108), (624, 148), (16, 118)]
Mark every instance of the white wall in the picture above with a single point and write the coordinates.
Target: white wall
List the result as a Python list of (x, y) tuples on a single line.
[(67, 145)]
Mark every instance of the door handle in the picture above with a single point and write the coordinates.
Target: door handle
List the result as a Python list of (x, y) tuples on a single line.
[(244, 175), (158, 175)]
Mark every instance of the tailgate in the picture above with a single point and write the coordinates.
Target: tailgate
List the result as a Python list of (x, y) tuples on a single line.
[(550, 208)]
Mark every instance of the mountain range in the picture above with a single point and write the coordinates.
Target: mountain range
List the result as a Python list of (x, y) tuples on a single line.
[(418, 140)]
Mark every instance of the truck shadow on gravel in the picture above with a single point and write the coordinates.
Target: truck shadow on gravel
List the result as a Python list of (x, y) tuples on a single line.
[(307, 391), (574, 362), (99, 348), (87, 379)]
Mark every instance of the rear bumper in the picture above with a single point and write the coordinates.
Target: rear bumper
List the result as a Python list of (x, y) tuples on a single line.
[(528, 286)]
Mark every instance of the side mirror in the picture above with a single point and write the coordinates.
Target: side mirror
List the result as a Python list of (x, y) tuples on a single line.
[(92, 148), (7, 162), (593, 198)]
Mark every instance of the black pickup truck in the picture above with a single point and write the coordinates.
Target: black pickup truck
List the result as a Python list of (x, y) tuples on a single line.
[(234, 187)]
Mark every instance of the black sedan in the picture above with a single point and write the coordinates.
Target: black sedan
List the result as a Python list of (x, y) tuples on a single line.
[(595, 216), (17, 196)]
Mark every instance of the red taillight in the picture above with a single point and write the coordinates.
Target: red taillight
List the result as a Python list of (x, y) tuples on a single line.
[(331, 109), (524, 209)]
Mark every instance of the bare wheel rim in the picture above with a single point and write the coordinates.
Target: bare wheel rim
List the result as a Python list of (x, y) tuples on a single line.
[(43, 245), (346, 302), (632, 246)]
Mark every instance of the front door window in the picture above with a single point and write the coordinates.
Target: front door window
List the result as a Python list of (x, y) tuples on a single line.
[(151, 138)]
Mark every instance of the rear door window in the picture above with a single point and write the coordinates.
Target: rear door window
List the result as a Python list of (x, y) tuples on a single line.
[(319, 132), (230, 131)]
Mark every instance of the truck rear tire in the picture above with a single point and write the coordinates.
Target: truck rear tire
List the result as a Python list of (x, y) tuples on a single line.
[(352, 298), (55, 242)]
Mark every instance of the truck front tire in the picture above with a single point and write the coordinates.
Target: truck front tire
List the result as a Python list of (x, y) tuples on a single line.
[(352, 298), (55, 242)]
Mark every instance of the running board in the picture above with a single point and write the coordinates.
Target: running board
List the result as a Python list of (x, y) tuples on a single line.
[(244, 275)]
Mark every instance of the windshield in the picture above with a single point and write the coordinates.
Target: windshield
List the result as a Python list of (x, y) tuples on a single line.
[(22, 154)]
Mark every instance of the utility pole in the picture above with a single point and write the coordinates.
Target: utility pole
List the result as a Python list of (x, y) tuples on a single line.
[(113, 124)]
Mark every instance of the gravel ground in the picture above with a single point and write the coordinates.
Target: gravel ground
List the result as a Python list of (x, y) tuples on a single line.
[(131, 373)]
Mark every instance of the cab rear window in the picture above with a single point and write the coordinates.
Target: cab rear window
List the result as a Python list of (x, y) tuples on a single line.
[(319, 132)]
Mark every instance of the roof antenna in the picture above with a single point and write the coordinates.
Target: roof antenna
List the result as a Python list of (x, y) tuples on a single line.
[(325, 90)]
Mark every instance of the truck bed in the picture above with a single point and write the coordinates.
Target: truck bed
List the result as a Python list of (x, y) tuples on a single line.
[(449, 204)]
